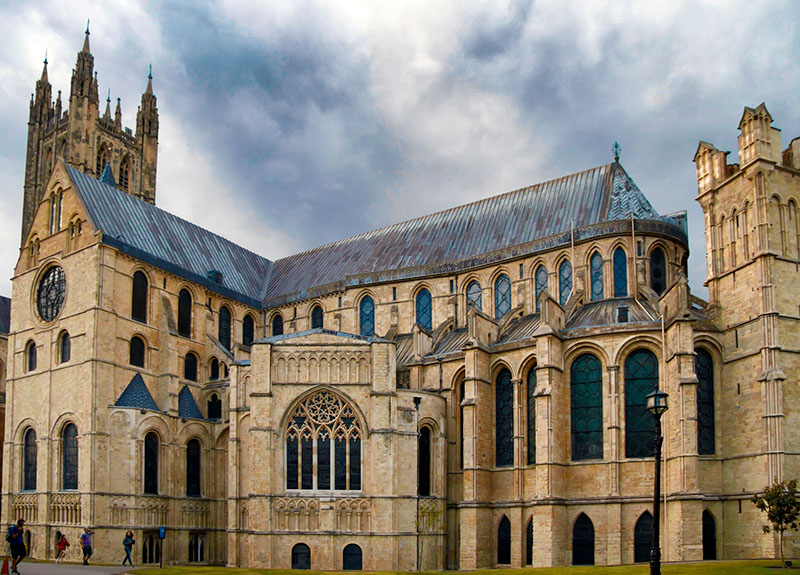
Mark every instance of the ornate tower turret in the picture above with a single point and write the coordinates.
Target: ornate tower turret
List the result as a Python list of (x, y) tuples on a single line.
[(147, 141)]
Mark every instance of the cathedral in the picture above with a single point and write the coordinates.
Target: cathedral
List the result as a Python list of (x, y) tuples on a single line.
[(465, 389)]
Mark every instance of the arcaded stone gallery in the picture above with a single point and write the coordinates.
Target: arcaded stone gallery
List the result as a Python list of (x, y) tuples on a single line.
[(462, 390)]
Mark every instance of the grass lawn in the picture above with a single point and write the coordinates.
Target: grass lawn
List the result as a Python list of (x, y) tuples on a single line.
[(706, 568)]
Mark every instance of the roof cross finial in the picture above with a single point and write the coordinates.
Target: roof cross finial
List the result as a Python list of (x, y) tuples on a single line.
[(616, 149), (87, 25)]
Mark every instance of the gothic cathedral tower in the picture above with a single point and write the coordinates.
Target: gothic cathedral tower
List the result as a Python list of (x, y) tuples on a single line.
[(86, 140)]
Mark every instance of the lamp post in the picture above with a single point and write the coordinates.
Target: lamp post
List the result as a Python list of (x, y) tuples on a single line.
[(657, 405)]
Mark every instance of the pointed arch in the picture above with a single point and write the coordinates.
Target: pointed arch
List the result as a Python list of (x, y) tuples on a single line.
[(502, 295), (474, 293), (641, 378), (424, 309), (366, 316), (564, 282), (586, 394), (709, 536), (620, 272), (706, 429), (658, 270), (583, 541), (530, 389), (642, 538), (125, 173), (529, 542), (248, 329), (103, 158), (596, 275), (540, 279), (504, 542), (504, 419)]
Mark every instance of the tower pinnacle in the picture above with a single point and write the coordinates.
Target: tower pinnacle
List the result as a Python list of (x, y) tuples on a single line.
[(44, 70), (86, 40)]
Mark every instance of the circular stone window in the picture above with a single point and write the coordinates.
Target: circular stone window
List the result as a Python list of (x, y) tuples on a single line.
[(51, 292)]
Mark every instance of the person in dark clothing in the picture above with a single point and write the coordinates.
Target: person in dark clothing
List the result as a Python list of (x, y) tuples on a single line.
[(127, 544), (18, 551)]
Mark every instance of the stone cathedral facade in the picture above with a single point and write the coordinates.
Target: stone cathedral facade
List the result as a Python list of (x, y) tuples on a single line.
[(461, 390)]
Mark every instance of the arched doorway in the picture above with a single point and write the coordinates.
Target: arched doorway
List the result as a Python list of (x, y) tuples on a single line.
[(643, 538), (351, 558), (709, 536), (504, 542), (301, 556), (583, 541), (529, 543)]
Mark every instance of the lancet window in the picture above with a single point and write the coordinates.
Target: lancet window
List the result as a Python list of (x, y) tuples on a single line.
[(474, 295), (620, 273), (323, 445), (541, 283), (596, 269), (564, 282), (502, 296)]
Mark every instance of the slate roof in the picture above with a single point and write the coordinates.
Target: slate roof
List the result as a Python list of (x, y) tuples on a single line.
[(150, 234), (5, 314), (187, 406), (600, 313), (137, 395)]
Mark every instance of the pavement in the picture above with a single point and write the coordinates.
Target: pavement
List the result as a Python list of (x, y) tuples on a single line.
[(35, 568)]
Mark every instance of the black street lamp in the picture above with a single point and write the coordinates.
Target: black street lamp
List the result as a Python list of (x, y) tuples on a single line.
[(657, 405)]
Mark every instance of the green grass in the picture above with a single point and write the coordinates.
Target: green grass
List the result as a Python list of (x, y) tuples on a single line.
[(705, 568)]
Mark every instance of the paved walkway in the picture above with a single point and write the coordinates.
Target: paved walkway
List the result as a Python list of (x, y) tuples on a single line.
[(31, 568)]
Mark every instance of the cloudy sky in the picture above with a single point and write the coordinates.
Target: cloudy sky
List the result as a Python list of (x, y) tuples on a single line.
[(298, 123)]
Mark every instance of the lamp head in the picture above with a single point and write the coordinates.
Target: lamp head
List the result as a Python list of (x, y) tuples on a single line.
[(657, 403)]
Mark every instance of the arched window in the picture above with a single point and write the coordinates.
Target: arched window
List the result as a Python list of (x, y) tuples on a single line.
[(55, 211), (190, 367), (224, 328), (151, 548), (504, 419), (30, 353), (151, 463), (277, 324), (583, 541), (197, 543), (709, 536), (586, 394), (504, 542), (704, 368), (326, 420), (64, 348), (596, 273), (185, 313), (69, 457), (214, 370), (541, 283), (531, 401), (529, 543), (641, 378), (124, 173), (29, 459), (248, 329), (102, 160), (139, 298), (461, 392), (317, 317), (214, 407), (424, 309), (137, 351), (643, 538), (193, 453), (620, 273), (564, 282), (366, 316), (351, 558), (502, 296), (424, 461), (658, 271), (474, 295), (301, 556)]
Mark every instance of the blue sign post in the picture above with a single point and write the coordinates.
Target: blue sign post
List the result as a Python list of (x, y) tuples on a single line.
[(162, 534)]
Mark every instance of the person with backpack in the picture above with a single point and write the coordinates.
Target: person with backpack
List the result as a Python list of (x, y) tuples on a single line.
[(86, 544), (14, 538)]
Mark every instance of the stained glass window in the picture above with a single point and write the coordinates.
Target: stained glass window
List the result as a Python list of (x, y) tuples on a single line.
[(190, 367), (366, 316), (317, 317), (424, 461), (474, 295), (224, 328), (319, 418), (641, 379), (658, 271), (185, 313), (502, 296), (30, 352), (151, 463), (643, 538), (564, 282), (248, 330), (424, 309), (620, 273), (29, 458), (504, 419), (51, 293), (137, 349), (596, 272), (65, 348), (541, 283), (583, 541), (277, 324), (531, 389), (587, 408), (69, 456), (139, 297), (193, 454), (504, 542), (704, 368)]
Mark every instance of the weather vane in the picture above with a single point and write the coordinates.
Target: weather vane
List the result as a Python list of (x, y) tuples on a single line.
[(616, 149)]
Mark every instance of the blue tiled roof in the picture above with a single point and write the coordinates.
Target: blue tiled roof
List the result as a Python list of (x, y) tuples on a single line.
[(150, 234), (5, 314), (137, 395), (187, 406)]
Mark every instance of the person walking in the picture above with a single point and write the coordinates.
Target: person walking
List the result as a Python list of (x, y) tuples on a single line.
[(86, 544), (62, 548), (128, 544), (18, 551)]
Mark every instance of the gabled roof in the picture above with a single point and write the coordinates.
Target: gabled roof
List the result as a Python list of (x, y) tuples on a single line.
[(5, 314), (187, 406), (150, 234), (137, 395)]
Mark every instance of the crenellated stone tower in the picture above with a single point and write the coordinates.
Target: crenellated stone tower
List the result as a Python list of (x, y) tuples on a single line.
[(87, 140)]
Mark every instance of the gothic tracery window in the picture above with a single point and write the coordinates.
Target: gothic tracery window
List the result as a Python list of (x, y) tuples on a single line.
[(474, 295), (620, 273), (641, 378), (541, 283), (366, 316), (124, 173), (424, 309), (564, 282), (658, 271), (326, 424), (502, 296), (704, 368), (504, 420), (531, 404), (596, 272), (587, 408)]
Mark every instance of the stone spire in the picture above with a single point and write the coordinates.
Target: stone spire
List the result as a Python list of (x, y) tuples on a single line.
[(107, 114), (85, 48), (118, 116)]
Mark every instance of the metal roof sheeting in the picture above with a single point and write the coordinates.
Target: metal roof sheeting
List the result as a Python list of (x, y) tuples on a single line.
[(600, 313)]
